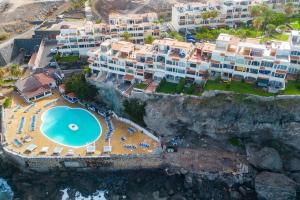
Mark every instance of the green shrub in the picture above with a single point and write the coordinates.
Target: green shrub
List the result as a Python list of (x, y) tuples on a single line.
[(82, 89), (7, 102), (191, 89), (136, 110), (235, 142), (98, 21), (4, 36), (180, 85)]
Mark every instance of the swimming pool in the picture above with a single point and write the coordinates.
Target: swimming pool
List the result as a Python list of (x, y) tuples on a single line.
[(73, 127)]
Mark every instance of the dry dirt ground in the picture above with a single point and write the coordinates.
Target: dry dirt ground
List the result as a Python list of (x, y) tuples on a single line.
[(16, 15), (162, 7)]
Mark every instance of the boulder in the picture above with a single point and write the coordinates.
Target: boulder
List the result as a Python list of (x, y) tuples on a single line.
[(235, 195), (274, 186), (266, 159), (188, 181), (292, 165)]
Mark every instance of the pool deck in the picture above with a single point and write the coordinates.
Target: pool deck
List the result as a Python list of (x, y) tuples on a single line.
[(12, 121)]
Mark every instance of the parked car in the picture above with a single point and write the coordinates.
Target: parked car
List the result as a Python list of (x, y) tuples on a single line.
[(53, 64), (54, 51)]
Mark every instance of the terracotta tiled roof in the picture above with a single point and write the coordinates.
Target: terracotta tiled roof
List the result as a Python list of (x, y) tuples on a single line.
[(34, 84)]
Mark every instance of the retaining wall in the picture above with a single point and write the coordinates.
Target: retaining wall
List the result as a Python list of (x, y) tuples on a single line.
[(109, 162)]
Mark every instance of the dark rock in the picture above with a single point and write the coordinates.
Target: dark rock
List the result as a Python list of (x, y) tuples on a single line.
[(292, 165), (242, 190), (235, 195), (274, 186), (178, 197), (171, 192), (267, 159), (188, 181), (183, 171)]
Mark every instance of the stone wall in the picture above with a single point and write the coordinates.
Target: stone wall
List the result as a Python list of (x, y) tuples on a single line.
[(110, 162)]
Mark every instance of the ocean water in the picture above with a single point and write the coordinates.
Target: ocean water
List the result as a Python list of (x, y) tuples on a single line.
[(5, 190), (98, 195)]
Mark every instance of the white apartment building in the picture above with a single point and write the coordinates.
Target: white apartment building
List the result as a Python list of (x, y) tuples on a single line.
[(138, 26), (230, 12), (79, 38), (277, 4), (230, 58), (164, 58), (267, 65)]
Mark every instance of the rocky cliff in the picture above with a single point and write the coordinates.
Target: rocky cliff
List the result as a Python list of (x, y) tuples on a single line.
[(265, 132)]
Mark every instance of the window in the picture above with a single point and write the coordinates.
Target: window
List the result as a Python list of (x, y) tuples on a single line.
[(215, 65), (240, 61), (229, 58), (292, 70), (281, 67), (266, 64), (193, 65), (255, 63)]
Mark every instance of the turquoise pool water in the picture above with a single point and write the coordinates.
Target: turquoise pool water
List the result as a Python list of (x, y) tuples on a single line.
[(74, 127)]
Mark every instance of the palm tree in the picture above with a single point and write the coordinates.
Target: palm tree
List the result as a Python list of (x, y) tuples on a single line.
[(205, 15), (126, 36), (258, 22), (86, 69), (214, 14), (149, 39), (242, 33), (270, 28), (289, 9), (282, 28), (209, 14), (255, 11), (15, 70), (2, 73)]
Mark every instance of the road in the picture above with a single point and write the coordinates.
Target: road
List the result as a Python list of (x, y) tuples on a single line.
[(17, 3)]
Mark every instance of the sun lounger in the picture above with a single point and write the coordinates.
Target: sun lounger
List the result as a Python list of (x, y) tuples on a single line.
[(32, 123), (31, 148), (44, 150), (27, 138), (107, 149), (29, 107), (50, 103), (70, 152), (57, 150), (90, 149), (129, 146), (144, 145), (17, 143), (21, 125), (17, 108)]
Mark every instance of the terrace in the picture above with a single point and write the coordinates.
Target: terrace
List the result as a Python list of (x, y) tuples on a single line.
[(23, 134), (202, 52)]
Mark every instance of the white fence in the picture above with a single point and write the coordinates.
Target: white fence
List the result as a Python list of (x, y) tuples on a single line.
[(131, 123)]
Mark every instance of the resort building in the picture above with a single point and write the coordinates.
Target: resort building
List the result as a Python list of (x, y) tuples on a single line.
[(79, 38), (138, 26), (269, 65), (277, 4), (35, 87), (229, 13), (266, 64), (164, 58)]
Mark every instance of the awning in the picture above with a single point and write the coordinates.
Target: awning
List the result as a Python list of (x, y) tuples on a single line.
[(31, 147)]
